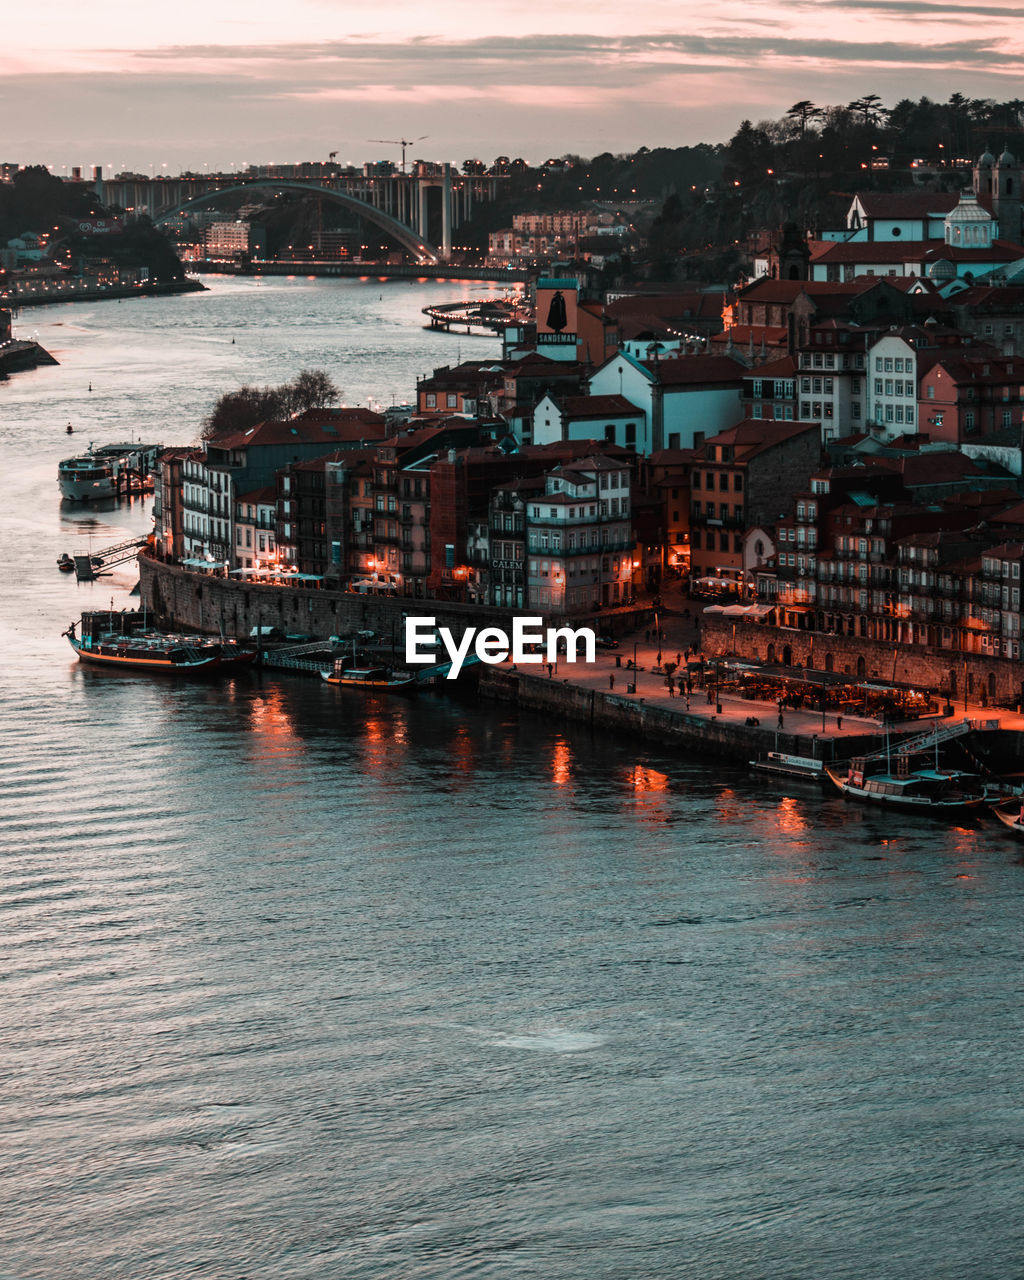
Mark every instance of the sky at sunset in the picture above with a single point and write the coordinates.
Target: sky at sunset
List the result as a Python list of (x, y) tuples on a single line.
[(192, 84)]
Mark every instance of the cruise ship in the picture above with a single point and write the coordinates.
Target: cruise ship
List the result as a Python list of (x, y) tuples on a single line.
[(104, 472)]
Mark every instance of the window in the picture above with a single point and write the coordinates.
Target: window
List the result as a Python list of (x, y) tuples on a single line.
[(431, 400)]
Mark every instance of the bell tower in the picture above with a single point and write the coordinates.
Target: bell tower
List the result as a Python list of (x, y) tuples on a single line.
[(1006, 199)]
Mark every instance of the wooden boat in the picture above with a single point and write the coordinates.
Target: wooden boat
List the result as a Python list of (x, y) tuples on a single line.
[(162, 654), (65, 563), (370, 678), (1011, 814), (930, 791)]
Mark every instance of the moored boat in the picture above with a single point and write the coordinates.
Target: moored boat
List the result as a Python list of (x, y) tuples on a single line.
[(370, 678), (130, 652), (930, 791), (87, 478), (780, 765), (1011, 814)]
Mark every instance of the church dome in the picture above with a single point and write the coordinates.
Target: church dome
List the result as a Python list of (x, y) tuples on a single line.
[(1007, 160), (941, 269), (987, 160), (968, 210)]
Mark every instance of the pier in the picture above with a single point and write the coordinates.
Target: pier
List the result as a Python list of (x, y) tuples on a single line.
[(490, 317)]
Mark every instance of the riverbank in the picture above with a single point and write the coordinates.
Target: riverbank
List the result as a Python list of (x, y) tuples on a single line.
[(604, 694), (16, 356), (364, 270), (77, 291)]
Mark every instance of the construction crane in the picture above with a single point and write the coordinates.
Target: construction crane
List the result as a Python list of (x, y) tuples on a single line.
[(401, 142)]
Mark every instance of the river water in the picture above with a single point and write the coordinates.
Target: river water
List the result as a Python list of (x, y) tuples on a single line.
[(302, 983)]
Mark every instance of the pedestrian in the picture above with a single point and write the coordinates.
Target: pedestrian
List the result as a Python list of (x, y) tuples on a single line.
[(551, 670), (679, 659), (839, 722), (671, 687), (611, 681), (780, 715)]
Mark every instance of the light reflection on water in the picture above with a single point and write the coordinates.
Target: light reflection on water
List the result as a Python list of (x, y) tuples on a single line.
[(309, 982)]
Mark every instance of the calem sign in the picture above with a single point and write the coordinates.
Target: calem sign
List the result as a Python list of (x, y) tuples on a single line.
[(529, 642)]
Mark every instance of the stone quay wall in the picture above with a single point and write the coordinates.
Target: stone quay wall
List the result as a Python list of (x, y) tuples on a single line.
[(945, 671), (201, 602), (622, 714)]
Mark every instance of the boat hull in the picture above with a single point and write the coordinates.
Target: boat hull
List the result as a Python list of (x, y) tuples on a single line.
[(407, 684), (928, 805), (170, 662), (1010, 818), (87, 490)]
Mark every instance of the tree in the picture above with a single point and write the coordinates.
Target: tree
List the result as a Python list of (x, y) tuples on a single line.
[(803, 111), (239, 410), (314, 389), (870, 108)]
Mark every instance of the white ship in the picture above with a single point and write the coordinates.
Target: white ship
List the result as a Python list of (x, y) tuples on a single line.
[(106, 471)]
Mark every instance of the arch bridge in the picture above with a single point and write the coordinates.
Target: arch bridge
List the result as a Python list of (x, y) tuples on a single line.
[(398, 204)]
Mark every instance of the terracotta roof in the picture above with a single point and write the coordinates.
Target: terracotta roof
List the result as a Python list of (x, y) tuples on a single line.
[(907, 204), (578, 408), (756, 435), (342, 413), (937, 468), (298, 431), (785, 367), (679, 371), (265, 496)]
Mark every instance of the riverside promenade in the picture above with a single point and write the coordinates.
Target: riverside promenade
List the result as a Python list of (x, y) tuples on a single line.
[(609, 695)]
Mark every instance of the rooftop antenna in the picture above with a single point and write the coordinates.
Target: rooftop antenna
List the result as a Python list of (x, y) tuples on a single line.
[(401, 142)]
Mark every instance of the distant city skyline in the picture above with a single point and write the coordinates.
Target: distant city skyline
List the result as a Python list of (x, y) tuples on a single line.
[(197, 87)]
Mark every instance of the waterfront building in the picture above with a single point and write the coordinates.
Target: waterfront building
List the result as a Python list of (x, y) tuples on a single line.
[(580, 546), (227, 239), (507, 541), (168, 503), (744, 476), (236, 462), (666, 475), (256, 531)]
